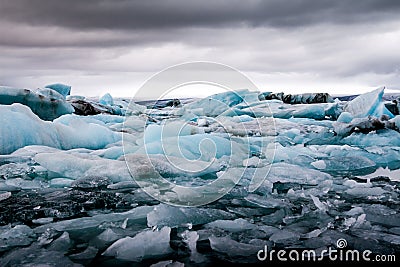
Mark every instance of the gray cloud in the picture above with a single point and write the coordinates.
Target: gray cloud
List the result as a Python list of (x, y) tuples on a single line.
[(123, 14), (84, 42)]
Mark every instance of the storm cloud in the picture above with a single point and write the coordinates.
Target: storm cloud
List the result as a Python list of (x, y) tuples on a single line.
[(99, 46)]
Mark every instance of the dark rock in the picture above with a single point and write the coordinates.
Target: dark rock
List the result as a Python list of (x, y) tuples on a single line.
[(86, 108), (393, 107), (165, 103), (309, 98), (263, 96), (365, 125)]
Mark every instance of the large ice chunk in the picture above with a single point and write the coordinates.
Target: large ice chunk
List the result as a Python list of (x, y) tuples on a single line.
[(107, 100), (144, 245), (47, 103), (20, 127), (62, 89), (368, 104)]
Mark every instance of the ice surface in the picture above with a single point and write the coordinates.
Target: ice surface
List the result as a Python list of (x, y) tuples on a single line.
[(365, 191), (35, 256), (62, 89), (48, 104), (164, 215), (216, 104), (393, 175), (61, 182), (106, 238), (344, 164), (85, 256), (237, 225), (289, 173), (284, 236), (144, 245), (18, 236), (233, 248), (168, 263), (155, 132), (204, 147), (62, 244), (310, 111)]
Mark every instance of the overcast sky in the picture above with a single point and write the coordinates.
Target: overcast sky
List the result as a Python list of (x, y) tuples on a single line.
[(115, 45)]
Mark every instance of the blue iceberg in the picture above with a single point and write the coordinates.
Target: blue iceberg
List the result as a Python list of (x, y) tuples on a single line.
[(60, 88), (46, 103), (21, 127), (107, 100), (368, 104)]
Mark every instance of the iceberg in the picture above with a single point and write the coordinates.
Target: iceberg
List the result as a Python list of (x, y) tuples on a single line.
[(368, 104), (106, 100), (46, 103), (21, 127), (62, 89)]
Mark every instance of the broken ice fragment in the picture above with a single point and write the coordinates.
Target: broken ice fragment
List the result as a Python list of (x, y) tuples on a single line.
[(144, 245)]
